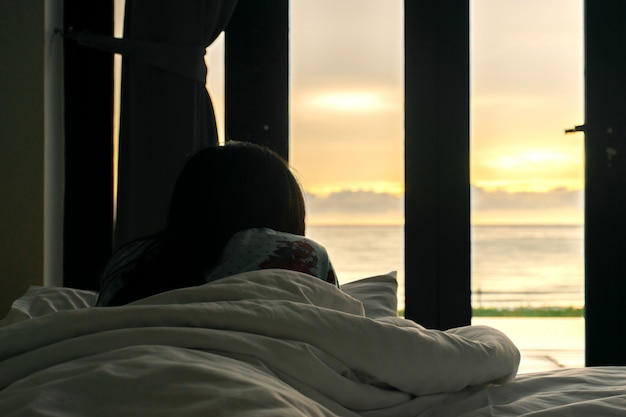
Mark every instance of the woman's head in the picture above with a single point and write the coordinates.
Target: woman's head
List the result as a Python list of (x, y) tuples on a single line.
[(220, 191), (225, 189)]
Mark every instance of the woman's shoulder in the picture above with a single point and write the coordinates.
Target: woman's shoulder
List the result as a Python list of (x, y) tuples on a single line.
[(123, 263), (130, 252)]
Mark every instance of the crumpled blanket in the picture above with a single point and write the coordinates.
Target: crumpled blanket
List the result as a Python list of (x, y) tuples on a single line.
[(271, 342)]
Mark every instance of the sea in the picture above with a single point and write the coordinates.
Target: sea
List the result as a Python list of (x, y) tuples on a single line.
[(512, 266)]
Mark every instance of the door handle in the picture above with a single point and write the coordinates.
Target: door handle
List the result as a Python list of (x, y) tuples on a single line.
[(579, 128)]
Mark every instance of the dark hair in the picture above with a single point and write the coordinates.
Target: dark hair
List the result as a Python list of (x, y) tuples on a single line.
[(220, 191), (226, 189)]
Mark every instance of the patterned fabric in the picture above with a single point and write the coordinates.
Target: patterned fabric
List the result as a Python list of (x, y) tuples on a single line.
[(262, 248)]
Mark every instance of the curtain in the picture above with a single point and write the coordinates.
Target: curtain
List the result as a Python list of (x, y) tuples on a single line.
[(166, 112)]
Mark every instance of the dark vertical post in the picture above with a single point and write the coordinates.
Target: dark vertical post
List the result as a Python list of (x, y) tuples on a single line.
[(605, 177), (88, 147), (437, 202), (257, 74)]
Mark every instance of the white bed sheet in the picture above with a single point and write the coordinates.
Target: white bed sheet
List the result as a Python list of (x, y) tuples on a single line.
[(273, 343)]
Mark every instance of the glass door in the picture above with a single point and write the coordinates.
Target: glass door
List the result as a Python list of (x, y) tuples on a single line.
[(346, 130), (527, 175)]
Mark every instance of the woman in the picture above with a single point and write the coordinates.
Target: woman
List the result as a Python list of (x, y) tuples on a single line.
[(240, 192)]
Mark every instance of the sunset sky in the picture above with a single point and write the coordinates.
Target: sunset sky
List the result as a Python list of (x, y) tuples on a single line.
[(347, 109)]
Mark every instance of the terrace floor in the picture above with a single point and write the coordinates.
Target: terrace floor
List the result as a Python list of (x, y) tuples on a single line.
[(546, 343)]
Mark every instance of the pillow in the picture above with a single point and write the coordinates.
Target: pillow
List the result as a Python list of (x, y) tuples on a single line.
[(39, 301), (378, 294), (262, 248)]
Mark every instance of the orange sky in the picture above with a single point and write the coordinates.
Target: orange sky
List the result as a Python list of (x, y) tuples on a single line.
[(347, 109)]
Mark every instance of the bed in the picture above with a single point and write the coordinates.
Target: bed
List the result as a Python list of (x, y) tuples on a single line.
[(272, 343)]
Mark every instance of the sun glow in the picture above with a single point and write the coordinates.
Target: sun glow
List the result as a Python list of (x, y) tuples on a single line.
[(529, 159), (348, 101), (531, 170)]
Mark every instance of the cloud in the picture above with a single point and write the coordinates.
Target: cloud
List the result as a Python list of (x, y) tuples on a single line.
[(357, 202), (372, 202), (558, 206), (501, 200)]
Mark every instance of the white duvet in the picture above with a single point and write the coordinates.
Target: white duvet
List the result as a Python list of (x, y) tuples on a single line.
[(267, 343)]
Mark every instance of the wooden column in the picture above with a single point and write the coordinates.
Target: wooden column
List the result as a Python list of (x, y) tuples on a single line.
[(437, 207), (88, 220), (257, 74), (605, 178)]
